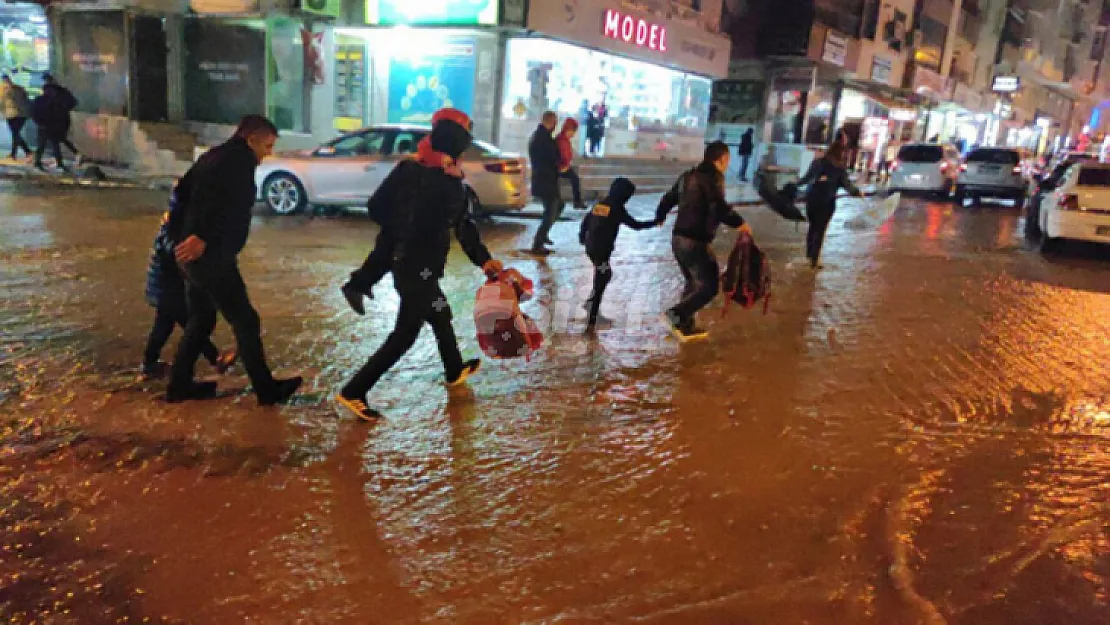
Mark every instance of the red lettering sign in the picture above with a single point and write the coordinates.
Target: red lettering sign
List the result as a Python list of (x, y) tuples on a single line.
[(634, 30)]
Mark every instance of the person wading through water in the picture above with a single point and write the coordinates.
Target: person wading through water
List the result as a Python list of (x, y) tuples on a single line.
[(827, 175)]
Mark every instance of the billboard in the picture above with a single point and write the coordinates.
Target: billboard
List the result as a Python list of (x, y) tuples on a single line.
[(440, 76), (453, 12)]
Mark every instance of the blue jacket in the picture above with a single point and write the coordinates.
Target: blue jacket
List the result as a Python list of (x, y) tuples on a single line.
[(163, 278)]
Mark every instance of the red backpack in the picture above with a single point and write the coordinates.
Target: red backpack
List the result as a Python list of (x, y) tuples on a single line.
[(747, 277), (503, 330)]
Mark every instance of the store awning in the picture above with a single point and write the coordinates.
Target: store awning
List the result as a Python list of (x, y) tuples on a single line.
[(890, 97)]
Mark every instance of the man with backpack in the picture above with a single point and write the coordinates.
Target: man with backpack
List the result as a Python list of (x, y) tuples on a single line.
[(699, 195), (418, 206), (51, 112)]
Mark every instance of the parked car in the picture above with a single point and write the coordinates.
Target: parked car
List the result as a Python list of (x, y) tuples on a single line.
[(348, 169), (1079, 207), (925, 167), (993, 172), (1046, 185)]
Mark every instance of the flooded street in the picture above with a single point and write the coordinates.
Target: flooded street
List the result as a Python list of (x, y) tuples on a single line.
[(916, 434)]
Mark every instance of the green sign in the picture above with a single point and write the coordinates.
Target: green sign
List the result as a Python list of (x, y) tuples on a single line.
[(328, 8), (452, 12)]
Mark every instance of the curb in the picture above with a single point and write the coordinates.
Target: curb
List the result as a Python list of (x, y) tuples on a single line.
[(68, 180)]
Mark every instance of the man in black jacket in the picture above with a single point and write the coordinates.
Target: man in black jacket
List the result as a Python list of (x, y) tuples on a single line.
[(700, 197), (418, 206), (544, 154), (215, 225)]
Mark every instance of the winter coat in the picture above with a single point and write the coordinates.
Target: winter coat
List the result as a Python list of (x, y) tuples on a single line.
[(220, 200), (544, 154), (163, 278), (600, 228), (826, 178), (15, 101), (419, 207), (699, 195), (747, 146), (566, 150), (51, 109)]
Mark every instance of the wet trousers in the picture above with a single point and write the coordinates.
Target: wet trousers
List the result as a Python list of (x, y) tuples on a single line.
[(217, 286), (571, 175), (745, 162), (378, 263), (15, 125), (170, 313), (819, 215), (56, 137), (603, 274), (422, 301), (552, 208), (699, 268)]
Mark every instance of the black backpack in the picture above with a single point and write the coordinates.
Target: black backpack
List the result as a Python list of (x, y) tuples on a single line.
[(747, 277)]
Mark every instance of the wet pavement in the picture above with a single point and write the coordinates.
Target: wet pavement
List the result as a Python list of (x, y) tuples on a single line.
[(916, 434)]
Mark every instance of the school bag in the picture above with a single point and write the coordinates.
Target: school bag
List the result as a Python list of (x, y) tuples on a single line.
[(504, 331), (747, 276)]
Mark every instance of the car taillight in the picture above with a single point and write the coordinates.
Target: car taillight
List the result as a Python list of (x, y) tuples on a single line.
[(944, 165), (894, 165), (505, 167), (1017, 170), (1069, 202), (963, 167)]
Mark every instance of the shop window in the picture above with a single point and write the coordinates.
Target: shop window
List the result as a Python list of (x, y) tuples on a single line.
[(225, 75), (25, 35), (285, 84), (404, 143)]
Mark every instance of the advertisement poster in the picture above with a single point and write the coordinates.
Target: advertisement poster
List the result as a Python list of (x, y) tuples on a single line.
[(456, 12), (96, 60), (737, 102), (350, 86), (286, 67), (225, 76), (441, 76)]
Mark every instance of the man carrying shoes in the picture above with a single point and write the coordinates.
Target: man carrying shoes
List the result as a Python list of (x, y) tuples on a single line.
[(216, 224)]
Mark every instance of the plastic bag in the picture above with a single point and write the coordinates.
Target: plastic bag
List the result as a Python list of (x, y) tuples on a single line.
[(504, 331)]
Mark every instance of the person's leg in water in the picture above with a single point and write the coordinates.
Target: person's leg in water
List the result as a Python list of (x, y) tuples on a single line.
[(603, 274), (697, 262), (552, 207), (378, 263), (819, 216), (160, 332)]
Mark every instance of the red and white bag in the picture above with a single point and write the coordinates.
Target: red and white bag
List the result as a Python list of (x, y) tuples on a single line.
[(504, 331)]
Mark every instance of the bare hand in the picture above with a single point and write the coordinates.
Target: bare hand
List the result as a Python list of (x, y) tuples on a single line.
[(190, 249), (745, 229), (493, 267)]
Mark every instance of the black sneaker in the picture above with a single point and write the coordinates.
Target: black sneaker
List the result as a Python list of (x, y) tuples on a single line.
[(195, 391), (354, 298), (470, 367), (358, 408), (154, 370), (548, 241), (284, 390), (684, 330)]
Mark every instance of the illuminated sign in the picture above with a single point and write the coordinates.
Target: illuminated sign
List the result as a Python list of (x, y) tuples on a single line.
[(435, 12), (634, 30), (1006, 84), (903, 115)]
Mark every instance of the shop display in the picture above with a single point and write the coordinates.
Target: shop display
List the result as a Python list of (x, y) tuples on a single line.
[(350, 86)]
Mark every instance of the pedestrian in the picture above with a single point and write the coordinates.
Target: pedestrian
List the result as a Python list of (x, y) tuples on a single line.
[(602, 120), (216, 222), (51, 112), (422, 201), (747, 147), (17, 106), (567, 170), (827, 175), (165, 292), (543, 152), (699, 195), (598, 233)]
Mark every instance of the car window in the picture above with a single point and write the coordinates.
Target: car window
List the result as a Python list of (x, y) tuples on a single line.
[(999, 157), (404, 142), (920, 153), (359, 144), (1094, 177)]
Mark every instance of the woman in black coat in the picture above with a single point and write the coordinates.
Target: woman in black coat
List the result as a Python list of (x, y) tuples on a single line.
[(827, 175)]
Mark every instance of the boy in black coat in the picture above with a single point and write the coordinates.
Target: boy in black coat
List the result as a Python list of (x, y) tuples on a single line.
[(599, 232)]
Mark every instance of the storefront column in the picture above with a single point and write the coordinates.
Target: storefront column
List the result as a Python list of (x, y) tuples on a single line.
[(834, 114), (175, 42)]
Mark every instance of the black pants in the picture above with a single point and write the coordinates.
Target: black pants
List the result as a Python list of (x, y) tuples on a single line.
[(571, 174), (46, 137), (819, 215), (378, 263), (422, 301), (170, 313), (218, 286), (595, 143), (745, 162), (699, 268), (15, 125), (603, 274), (552, 208)]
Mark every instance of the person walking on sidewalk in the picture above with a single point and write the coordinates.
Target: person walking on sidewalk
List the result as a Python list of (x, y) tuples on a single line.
[(747, 147), (566, 157), (216, 223), (543, 152), (699, 195), (17, 106), (826, 175), (421, 202), (51, 112), (598, 233)]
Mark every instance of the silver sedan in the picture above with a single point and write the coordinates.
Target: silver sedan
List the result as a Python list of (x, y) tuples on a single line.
[(347, 170)]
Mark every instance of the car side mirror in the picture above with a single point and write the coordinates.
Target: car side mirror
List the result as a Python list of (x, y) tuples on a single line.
[(325, 151)]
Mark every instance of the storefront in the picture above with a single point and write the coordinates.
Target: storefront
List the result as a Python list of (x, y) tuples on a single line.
[(25, 34)]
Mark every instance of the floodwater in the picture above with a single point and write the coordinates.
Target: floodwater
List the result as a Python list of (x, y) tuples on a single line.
[(916, 434)]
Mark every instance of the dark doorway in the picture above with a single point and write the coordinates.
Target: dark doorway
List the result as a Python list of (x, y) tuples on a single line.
[(149, 57)]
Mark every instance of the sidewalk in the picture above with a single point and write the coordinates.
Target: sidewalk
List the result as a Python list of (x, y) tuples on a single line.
[(88, 175)]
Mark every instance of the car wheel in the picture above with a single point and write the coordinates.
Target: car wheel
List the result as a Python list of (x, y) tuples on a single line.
[(1049, 245), (284, 194)]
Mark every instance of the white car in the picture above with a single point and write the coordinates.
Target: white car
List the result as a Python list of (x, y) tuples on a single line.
[(1078, 208), (347, 170), (993, 172), (925, 167)]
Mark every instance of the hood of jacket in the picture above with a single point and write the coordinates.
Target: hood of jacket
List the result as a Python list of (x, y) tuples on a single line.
[(620, 191)]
